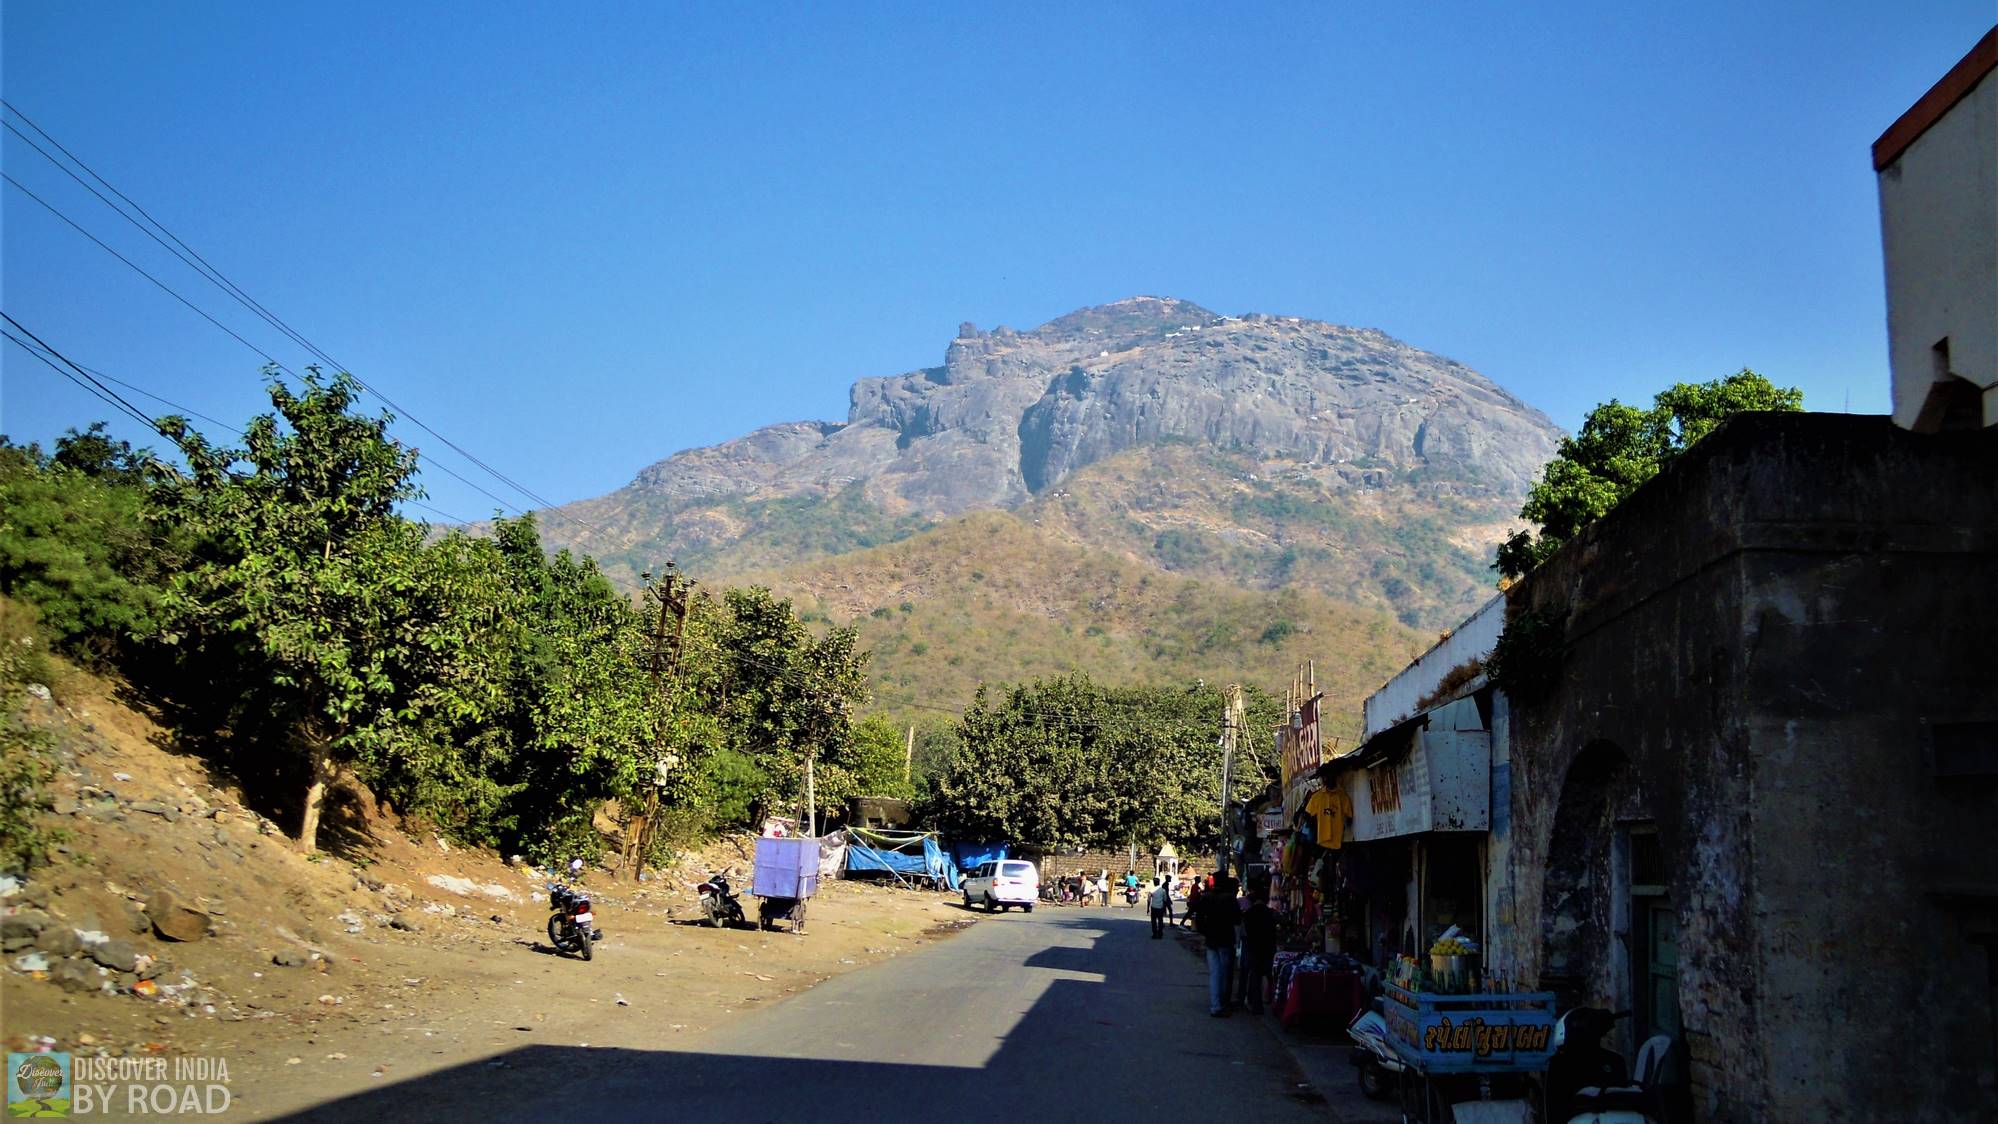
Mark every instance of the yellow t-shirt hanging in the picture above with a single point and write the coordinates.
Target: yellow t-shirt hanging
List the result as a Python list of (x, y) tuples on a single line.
[(1331, 806)]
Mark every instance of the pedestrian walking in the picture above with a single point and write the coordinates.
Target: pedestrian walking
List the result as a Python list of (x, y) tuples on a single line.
[(1258, 949), (1215, 919), (1192, 900), (1161, 904)]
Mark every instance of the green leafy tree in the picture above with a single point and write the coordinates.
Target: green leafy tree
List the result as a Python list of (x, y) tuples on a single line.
[(782, 695), (304, 584), (76, 544), (1619, 448), (27, 763), (869, 763), (1066, 762)]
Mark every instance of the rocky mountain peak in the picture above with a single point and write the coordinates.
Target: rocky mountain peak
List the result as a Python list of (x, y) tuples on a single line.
[(1009, 414)]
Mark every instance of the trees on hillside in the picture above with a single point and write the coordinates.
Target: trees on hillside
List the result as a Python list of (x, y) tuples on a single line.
[(74, 540), (1065, 762), (306, 575), (1619, 448), (301, 630)]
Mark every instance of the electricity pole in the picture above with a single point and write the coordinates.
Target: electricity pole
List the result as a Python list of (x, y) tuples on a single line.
[(669, 634), (1232, 715)]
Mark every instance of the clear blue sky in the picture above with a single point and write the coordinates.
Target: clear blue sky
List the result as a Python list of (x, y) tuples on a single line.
[(577, 238)]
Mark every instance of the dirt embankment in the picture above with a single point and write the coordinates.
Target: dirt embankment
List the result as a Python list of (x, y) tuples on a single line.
[(314, 976)]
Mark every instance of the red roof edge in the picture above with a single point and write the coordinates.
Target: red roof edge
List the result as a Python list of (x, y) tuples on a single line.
[(1961, 79)]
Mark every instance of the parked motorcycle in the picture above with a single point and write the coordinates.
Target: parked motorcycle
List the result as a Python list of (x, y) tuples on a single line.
[(572, 926), (719, 903), (1380, 1067), (1587, 1082)]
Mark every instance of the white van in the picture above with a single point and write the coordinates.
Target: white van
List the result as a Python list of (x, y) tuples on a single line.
[(1003, 884)]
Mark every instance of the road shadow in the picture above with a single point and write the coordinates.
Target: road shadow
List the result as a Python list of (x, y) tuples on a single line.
[(1119, 1012)]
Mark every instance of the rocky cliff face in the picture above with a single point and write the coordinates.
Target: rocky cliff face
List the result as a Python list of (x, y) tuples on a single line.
[(1010, 414)]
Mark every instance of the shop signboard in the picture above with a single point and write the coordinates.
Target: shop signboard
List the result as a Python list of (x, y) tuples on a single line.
[(1299, 755), (1441, 782), (1442, 1033)]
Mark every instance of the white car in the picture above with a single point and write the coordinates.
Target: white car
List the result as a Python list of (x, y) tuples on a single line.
[(1003, 884)]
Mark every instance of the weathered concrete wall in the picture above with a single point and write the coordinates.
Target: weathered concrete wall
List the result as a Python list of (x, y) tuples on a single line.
[(1398, 697), (1754, 642)]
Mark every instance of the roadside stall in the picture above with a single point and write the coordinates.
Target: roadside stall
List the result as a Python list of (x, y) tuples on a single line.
[(1465, 1039), (909, 858), (785, 877)]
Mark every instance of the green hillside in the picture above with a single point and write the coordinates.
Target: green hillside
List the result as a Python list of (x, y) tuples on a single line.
[(991, 598), (1418, 548)]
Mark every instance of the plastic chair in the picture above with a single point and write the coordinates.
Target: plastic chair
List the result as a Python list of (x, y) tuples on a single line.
[(1650, 1059)]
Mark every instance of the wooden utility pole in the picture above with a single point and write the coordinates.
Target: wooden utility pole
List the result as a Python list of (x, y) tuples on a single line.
[(669, 633), (909, 756), (1232, 717)]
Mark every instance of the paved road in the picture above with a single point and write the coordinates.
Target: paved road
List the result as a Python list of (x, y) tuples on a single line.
[(1063, 1014)]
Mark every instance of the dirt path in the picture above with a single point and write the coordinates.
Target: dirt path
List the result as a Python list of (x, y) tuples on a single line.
[(415, 1007), (315, 976)]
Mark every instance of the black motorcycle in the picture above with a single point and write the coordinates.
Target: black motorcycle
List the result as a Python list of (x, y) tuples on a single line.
[(572, 927), (719, 903)]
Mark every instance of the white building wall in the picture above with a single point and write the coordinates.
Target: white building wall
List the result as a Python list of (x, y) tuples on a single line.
[(1939, 232), (1472, 640)]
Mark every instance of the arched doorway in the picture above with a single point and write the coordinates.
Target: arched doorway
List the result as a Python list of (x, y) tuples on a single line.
[(1578, 904)]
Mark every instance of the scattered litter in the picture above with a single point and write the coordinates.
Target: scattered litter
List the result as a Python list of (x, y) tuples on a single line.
[(9, 885), (623, 1002), (31, 962), (760, 976), (121, 776), (293, 1061), (146, 988), (92, 936), (336, 1057)]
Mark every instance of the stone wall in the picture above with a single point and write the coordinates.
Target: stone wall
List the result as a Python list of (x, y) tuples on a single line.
[(1757, 647)]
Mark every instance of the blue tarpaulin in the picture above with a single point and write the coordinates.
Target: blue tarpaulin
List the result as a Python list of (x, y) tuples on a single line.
[(971, 856), (902, 854)]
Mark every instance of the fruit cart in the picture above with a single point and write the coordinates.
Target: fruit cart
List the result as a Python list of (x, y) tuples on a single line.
[(785, 877), (1458, 1035)]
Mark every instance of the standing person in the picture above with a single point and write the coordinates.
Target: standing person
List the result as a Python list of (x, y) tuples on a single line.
[(1103, 885), (1215, 919), (1161, 903), (1192, 900), (1258, 949)]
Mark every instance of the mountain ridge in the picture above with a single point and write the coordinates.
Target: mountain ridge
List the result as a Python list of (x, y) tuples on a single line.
[(1011, 414)]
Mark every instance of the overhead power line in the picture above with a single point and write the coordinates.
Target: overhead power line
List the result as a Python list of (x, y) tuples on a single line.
[(101, 395), (106, 392), (93, 380), (169, 290), (193, 260)]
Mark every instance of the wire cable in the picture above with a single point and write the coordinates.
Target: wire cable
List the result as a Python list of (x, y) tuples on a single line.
[(221, 280), (90, 382), (164, 287), (104, 396), (440, 466), (187, 410)]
